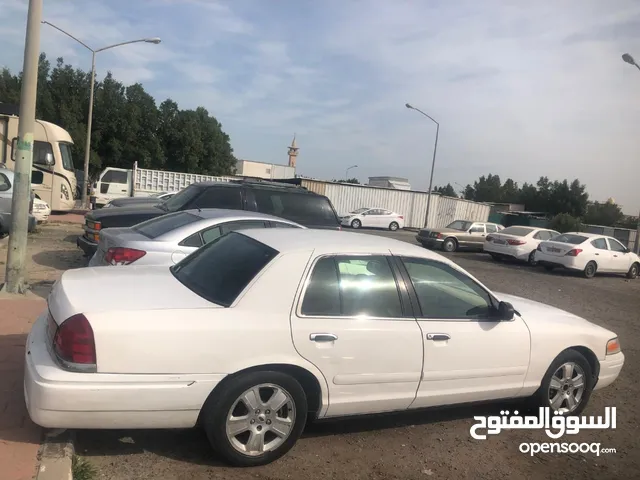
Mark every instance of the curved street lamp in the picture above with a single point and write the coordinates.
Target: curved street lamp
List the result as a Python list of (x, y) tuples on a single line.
[(154, 40), (346, 172), (433, 162)]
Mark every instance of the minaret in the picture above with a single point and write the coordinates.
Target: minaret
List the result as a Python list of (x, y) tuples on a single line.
[(293, 152)]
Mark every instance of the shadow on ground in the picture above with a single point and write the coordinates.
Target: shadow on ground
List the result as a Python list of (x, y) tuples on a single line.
[(60, 260)]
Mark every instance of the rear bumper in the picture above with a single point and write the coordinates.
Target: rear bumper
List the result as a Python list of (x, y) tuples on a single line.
[(56, 398), (610, 368), (88, 247), (570, 263)]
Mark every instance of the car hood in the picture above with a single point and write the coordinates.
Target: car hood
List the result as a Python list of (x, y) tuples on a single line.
[(105, 213), (131, 201), (105, 289)]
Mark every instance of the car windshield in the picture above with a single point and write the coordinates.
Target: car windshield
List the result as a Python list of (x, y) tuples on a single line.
[(459, 225), (180, 199), (221, 270), (517, 231), (570, 238), (160, 225), (67, 159)]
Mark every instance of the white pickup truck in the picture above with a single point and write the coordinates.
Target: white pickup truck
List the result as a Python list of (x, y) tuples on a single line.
[(116, 183)]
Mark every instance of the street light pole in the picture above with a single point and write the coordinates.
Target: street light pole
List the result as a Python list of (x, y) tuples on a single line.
[(346, 172), (630, 60), (87, 150), (433, 162), (17, 253)]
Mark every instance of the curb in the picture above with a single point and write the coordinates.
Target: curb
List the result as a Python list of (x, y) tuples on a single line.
[(55, 456)]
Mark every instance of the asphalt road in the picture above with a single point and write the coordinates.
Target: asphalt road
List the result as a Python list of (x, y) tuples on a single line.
[(430, 443)]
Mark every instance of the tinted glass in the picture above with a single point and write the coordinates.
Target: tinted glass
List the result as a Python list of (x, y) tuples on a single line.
[(322, 296), (40, 150), (192, 241), (368, 287), (616, 246), (542, 235), (160, 225), (303, 208), (211, 234), (517, 231), (570, 238), (219, 197), (242, 225), (444, 292), (459, 225), (220, 270), (67, 158), (5, 184), (282, 225), (600, 243), (180, 199), (491, 228)]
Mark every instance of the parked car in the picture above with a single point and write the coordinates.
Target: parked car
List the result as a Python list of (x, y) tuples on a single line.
[(294, 203), (458, 234), (41, 210), (373, 218), (168, 239), (261, 330), (588, 253), (517, 242), (153, 199), (6, 194)]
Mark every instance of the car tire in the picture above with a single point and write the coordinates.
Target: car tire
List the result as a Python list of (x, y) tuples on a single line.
[(633, 271), (496, 257), (255, 386), (549, 268), (531, 260), (553, 390), (393, 226), (450, 245), (590, 269), (356, 223)]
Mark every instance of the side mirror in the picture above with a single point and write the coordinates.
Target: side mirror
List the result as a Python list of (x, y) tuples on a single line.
[(48, 159), (505, 311)]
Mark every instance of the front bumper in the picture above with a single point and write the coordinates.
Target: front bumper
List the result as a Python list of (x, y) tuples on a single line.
[(56, 398), (87, 246), (429, 241), (610, 368)]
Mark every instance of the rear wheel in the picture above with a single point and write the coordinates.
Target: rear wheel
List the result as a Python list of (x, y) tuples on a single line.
[(393, 226), (256, 418), (532, 259), (548, 268), (590, 270), (450, 245), (633, 271), (356, 223), (496, 257)]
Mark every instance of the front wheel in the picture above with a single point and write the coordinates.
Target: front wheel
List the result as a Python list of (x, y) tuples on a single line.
[(356, 224), (256, 418), (633, 272), (393, 226), (449, 245)]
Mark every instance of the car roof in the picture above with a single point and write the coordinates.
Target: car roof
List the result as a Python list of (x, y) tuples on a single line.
[(588, 235), (226, 214), (291, 240)]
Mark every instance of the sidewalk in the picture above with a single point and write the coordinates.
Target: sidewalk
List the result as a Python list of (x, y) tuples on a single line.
[(19, 437)]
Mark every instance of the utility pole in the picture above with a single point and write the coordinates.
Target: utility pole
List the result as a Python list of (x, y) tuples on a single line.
[(17, 253)]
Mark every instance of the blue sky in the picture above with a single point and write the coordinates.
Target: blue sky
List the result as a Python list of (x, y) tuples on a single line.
[(521, 89)]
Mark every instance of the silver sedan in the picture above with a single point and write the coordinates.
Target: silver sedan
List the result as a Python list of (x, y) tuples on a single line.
[(168, 239)]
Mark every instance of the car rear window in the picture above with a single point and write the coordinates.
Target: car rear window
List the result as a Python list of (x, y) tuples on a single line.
[(303, 208), (160, 225), (568, 238), (517, 231), (220, 270)]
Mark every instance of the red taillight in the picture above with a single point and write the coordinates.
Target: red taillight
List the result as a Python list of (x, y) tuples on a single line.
[(400, 217), (516, 242), (489, 238), (573, 253), (73, 341), (123, 256)]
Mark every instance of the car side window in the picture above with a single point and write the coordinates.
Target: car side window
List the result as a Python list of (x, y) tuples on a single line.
[(192, 241), (361, 285), (219, 197), (40, 150), (600, 244), (210, 234), (5, 184), (242, 225), (446, 293), (491, 228), (542, 235), (282, 225), (616, 246), (477, 228)]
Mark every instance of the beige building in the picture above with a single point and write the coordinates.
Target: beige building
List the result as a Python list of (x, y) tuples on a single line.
[(271, 171)]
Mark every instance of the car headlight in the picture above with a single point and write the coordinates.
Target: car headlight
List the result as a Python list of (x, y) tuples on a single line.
[(613, 346)]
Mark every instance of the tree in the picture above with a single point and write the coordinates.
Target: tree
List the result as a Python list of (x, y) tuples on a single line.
[(563, 222), (447, 191), (348, 180), (607, 214)]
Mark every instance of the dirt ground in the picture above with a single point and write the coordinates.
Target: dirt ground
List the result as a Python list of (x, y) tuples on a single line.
[(432, 443)]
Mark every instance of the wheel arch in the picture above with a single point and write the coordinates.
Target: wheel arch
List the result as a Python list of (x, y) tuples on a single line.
[(589, 355)]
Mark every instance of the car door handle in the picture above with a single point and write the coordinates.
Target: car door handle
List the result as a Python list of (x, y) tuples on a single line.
[(438, 337), (323, 337), (597, 254), (616, 256)]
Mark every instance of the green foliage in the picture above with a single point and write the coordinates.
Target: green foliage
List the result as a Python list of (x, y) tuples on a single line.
[(546, 196), (447, 191), (348, 180), (607, 214), (629, 222), (127, 124), (563, 222), (81, 469)]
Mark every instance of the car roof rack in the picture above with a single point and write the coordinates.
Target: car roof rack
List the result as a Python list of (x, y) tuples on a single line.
[(267, 182)]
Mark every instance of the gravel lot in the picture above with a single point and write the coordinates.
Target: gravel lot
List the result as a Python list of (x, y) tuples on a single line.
[(430, 443)]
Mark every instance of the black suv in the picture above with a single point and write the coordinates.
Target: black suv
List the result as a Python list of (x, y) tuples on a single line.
[(292, 202)]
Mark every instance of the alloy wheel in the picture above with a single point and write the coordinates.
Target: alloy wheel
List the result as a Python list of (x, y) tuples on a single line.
[(566, 388)]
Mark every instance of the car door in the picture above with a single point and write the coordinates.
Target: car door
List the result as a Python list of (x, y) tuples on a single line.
[(621, 262), (368, 218), (353, 322), (469, 355), (476, 235), (602, 255)]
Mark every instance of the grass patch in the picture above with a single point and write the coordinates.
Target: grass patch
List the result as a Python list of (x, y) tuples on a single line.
[(81, 469)]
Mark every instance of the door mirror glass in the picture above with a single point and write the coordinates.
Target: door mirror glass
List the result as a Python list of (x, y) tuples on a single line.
[(505, 311)]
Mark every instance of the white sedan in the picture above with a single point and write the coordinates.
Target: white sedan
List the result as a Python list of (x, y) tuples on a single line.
[(260, 330), (588, 253), (373, 218), (517, 242)]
